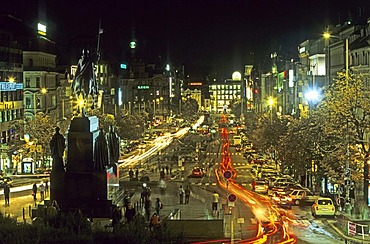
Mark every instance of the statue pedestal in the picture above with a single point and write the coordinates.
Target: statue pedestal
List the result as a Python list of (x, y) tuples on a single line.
[(84, 188)]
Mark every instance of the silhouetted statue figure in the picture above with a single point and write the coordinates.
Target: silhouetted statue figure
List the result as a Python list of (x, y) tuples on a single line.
[(57, 146), (113, 145), (101, 153), (84, 81), (114, 148)]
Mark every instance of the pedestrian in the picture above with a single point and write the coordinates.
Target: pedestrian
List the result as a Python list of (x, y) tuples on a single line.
[(42, 191), (170, 170), (187, 194), (215, 202), (130, 213), (161, 174), (181, 194), (137, 174), (34, 191), (167, 169), (158, 206), (116, 217), (147, 207), (254, 185), (131, 174), (154, 221), (7, 194), (162, 186), (46, 188)]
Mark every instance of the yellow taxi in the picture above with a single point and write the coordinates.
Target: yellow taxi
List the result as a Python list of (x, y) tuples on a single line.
[(323, 206)]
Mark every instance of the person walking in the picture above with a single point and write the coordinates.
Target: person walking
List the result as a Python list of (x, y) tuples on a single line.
[(154, 221), (130, 213), (181, 194), (34, 191), (131, 174), (254, 183), (158, 206), (137, 174), (162, 186), (215, 200), (147, 208), (6, 194), (46, 188), (187, 194), (42, 191)]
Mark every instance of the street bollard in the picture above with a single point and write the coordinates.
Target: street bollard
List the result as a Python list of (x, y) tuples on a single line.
[(24, 216), (29, 211)]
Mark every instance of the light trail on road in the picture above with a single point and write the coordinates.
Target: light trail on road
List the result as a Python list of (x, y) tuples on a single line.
[(270, 222)]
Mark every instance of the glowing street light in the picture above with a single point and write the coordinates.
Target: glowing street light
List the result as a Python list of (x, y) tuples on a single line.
[(327, 36)]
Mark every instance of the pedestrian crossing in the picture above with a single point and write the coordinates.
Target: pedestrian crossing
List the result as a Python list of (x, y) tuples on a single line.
[(219, 154)]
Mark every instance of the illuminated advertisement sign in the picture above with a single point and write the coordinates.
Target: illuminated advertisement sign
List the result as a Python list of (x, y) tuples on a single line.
[(142, 87), (41, 29), (195, 83), (10, 86)]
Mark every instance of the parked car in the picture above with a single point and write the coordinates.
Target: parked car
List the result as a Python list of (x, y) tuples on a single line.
[(282, 200), (261, 186), (323, 206), (197, 172), (6, 180), (279, 180), (304, 195)]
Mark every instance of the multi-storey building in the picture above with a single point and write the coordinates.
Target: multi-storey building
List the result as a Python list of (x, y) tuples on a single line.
[(223, 92), (11, 88)]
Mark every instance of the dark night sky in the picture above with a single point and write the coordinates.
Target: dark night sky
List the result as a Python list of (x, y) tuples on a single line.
[(214, 35)]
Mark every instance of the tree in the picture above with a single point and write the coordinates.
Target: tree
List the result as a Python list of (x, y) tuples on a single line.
[(346, 109), (190, 107), (40, 130), (235, 107), (130, 126)]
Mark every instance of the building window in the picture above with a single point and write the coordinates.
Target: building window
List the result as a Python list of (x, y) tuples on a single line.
[(28, 102), (38, 103), (28, 82), (38, 83), (30, 62)]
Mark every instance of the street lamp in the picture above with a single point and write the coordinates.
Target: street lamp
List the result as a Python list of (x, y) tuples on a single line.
[(327, 36), (271, 102)]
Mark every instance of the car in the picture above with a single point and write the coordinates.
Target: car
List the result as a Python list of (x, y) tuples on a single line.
[(280, 180), (282, 200), (323, 206), (6, 180), (261, 186), (303, 195), (197, 172)]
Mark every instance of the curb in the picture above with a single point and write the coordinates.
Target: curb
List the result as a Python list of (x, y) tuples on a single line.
[(345, 237)]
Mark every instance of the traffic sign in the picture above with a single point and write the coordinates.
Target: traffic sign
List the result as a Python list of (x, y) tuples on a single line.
[(227, 174), (231, 197)]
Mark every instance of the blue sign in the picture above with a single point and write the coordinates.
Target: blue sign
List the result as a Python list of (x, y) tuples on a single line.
[(10, 86)]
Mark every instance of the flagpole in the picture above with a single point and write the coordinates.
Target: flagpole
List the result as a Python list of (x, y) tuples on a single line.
[(100, 31)]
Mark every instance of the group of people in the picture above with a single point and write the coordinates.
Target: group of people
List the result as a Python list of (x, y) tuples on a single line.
[(131, 174), (184, 194), (42, 189)]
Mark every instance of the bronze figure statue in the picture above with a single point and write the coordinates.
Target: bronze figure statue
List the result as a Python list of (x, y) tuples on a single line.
[(84, 82), (57, 146), (101, 153)]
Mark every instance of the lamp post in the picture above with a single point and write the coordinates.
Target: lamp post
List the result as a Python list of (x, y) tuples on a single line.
[(347, 171), (271, 102), (327, 36)]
